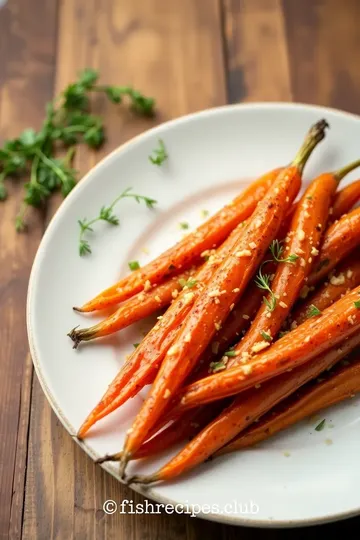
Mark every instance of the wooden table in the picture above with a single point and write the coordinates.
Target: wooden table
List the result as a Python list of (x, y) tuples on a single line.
[(190, 55)]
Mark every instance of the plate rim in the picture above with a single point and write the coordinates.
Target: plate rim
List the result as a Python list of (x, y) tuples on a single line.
[(147, 491)]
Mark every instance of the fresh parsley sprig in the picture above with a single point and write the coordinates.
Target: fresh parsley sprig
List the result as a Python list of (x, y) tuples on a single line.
[(106, 214), (68, 121)]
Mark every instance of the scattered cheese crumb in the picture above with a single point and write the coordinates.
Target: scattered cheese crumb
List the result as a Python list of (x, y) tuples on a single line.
[(301, 235), (314, 251), (217, 326), (130, 430), (246, 317), (187, 338), (175, 293), (260, 346), (247, 370), (232, 307), (243, 253), (158, 299), (214, 293), (252, 245), (293, 325), (349, 274), (188, 297), (282, 304), (173, 350), (339, 280), (167, 393), (302, 261), (307, 339), (236, 290), (147, 285)]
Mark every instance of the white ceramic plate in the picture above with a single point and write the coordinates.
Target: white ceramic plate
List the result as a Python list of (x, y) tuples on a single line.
[(212, 156)]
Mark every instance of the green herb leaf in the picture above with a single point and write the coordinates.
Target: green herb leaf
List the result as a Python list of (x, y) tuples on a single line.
[(263, 282), (134, 265), (312, 311), (106, 214), (190, 283), (321, 425), (159, 155), (277, 250), (184, 225), (136, 345), (217, 366), (230, 353), (266, 336), (357, 304)]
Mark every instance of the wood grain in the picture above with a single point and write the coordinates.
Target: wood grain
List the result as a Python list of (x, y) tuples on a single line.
[(256, 51), (189, 56), (323, 37), (27, 54), (177, 58)]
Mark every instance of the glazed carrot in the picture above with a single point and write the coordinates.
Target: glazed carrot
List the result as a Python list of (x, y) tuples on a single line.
[(342, 280), (223, 290), (211, 233), (296, 261), (341, 238), (144, 361), (314, 336), (134, 309), (244, 410), (345, 199), (186, 428), (337, 385)]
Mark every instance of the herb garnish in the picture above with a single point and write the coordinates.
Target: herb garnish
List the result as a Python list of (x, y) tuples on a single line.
[(159, 154), (312, 311), (277, 250), (190, 283), (266, 336), (68, 122), (321, 425), (106, 214), (134, 265), (357, 304), (230, 353), (263, 282)]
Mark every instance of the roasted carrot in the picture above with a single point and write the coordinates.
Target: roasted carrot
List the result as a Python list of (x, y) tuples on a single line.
[(344, 278), (345, 199), (144, 361), (341, 238), (341, 383), (244, 410), (314, 336), (211, 233), (228, 283), (134, 309), (295, 263), (186, 428)]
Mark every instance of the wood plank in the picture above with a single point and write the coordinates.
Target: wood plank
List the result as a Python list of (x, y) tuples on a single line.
[(323, 36), (177, 58), (256, 51), (27, 49)]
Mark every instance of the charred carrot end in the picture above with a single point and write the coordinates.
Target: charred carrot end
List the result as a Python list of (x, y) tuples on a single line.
[(134, 309), (139, 479), (315, 135), (108, 457)]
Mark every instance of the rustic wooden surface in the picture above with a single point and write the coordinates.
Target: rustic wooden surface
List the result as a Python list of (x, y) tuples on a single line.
[(190, 55)]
